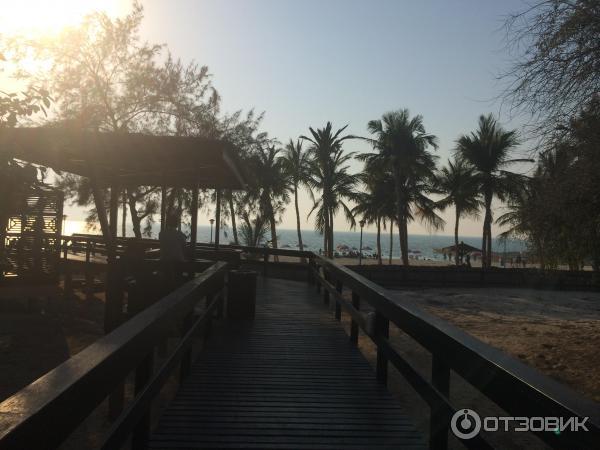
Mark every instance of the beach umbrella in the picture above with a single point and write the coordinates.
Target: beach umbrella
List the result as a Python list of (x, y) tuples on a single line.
[(463, 249)]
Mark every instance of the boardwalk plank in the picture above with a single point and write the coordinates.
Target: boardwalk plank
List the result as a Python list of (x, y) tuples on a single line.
[(288, 380)]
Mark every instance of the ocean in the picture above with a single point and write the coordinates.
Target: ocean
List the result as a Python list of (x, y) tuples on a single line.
[(422, 243)]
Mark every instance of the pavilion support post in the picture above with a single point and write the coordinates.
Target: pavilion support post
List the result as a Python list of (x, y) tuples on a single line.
[(218, 220), (194, 230), (113, 303)]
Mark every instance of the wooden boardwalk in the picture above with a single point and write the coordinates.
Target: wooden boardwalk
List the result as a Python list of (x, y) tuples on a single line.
[(288, 380)]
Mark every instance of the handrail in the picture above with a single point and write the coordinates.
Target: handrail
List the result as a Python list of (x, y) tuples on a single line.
[(77, 386), (514, 386)]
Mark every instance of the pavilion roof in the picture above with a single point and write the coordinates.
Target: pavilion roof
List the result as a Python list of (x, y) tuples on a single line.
[(127, 158)]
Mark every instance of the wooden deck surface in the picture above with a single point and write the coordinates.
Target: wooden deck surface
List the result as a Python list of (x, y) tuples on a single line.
[(288, 380)]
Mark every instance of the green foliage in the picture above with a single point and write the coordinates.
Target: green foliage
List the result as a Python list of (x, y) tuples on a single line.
[(295, 164), (460, 187), (104, 78), (401, 143), (269, 186), (328, 174), (558, 208), (488, 151)]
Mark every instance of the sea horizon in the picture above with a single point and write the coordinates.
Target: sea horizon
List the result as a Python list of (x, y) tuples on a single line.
[(421, 244)]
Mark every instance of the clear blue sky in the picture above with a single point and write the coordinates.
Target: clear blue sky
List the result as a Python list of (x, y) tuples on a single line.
[(307, 62)]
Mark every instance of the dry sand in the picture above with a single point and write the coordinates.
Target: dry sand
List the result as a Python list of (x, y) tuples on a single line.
[(555, 332)]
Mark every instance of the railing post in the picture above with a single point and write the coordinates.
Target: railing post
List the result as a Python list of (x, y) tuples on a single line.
[(141, 432), (338, 307), (186, 359), (325, 291), (353, 324), (317, 280), (208, 325), (265, 262), (220, 312), (309, 267), (68, 283), (382, 331), (439, 419)]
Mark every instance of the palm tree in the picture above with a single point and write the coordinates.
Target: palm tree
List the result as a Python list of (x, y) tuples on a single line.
[(328, 174), (487, 150), (295, 164), (374, 205), (270, 186), (460, 186), (401, 144)]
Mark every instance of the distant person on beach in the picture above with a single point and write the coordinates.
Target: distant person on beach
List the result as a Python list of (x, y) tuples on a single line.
[(468, 260)]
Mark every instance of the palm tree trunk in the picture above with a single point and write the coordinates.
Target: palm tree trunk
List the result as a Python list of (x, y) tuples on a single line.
[(300, 245), (273, 231), (233, 224), (456, 236), (489, 243), (326, 236), (485, 258), (406, 240), (402, 234), (391, 239), (331, 234), (484, 248), (379, 260)]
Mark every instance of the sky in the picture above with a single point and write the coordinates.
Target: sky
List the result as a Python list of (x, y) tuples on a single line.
[(308, 62)]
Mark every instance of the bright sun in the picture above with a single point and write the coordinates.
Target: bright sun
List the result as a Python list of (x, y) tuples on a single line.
[(34, 17)]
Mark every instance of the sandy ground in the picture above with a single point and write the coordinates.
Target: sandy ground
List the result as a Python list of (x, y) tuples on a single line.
[(555, 332)]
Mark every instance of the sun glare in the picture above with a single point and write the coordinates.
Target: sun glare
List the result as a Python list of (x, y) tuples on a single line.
[(35, 17)]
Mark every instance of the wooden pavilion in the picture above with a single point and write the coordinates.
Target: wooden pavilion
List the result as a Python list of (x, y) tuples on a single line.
[(117, 160)]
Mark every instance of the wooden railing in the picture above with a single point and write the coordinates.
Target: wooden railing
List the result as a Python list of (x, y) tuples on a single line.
[(515, 387), (92, 245), (43, 414)]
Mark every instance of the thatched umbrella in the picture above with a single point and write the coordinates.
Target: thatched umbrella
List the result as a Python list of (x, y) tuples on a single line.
[(463, 249)]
